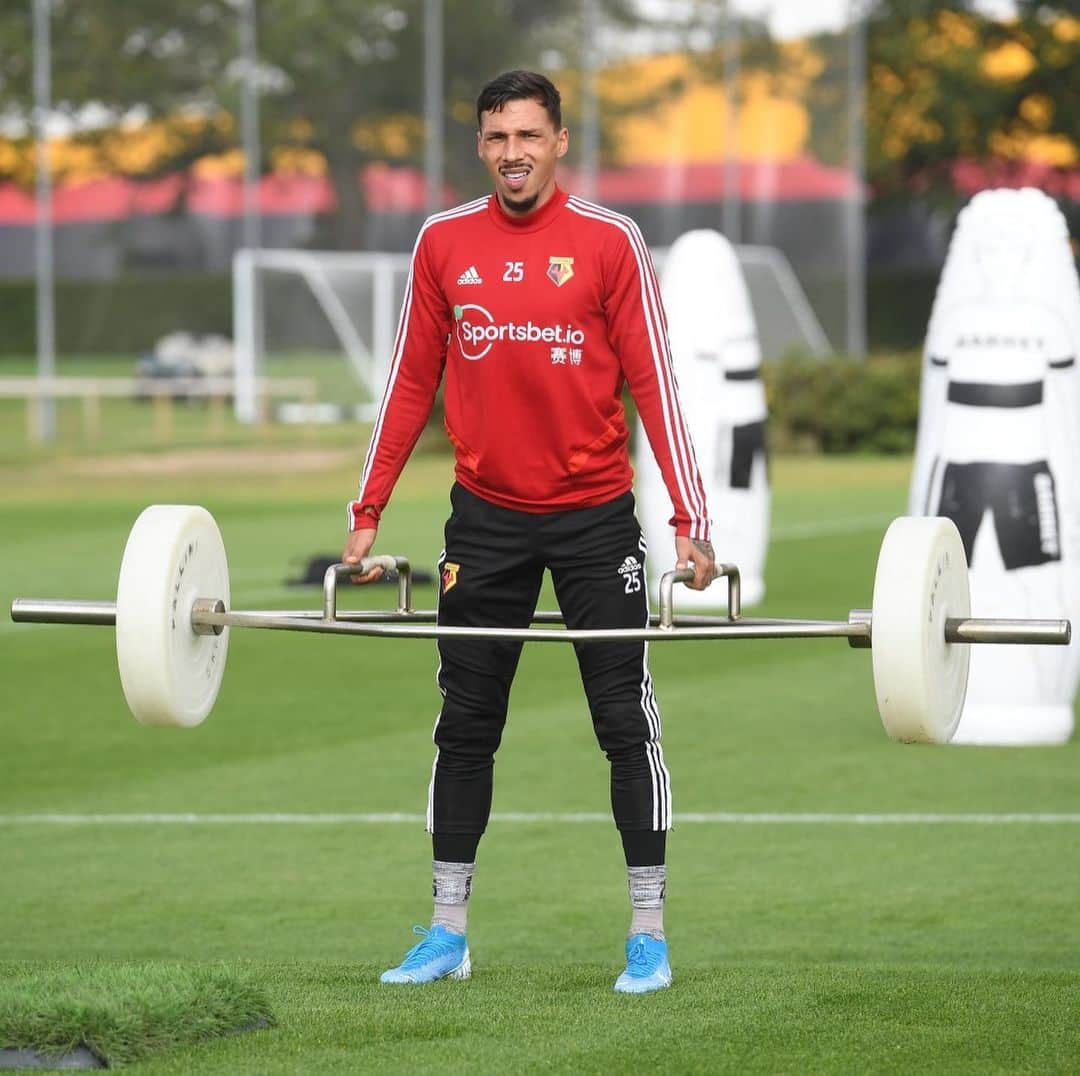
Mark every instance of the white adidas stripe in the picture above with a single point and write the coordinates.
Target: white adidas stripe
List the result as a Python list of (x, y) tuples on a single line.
[(476, 206), (679, 443), (684, 461), (429, 821), (657, 771), (654, 752), (381, 818), (657, 326)]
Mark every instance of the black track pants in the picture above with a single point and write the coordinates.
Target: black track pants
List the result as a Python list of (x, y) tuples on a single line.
[(491, 573)]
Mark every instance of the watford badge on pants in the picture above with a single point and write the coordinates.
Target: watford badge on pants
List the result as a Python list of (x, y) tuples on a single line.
[(449, 576)]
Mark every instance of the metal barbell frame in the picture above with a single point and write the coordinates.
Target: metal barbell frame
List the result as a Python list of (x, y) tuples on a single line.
[(210, 616)]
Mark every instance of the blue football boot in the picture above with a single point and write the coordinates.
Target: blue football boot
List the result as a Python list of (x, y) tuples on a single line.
[(441, 955), (647, 966)]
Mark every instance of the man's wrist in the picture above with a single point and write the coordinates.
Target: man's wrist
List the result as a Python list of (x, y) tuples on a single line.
[(685, 530), (362, 517)]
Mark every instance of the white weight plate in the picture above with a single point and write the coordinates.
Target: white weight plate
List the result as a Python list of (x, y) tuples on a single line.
[(173, 556), (921, 581)]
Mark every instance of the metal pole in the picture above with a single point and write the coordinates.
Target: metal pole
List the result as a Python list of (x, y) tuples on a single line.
[(249, 125), (43, 230), (418, 624), (245, 335), (434, 104), (732, 208), (855, 224), (247, 318), (990, 630), (382, 324), (590, 112)]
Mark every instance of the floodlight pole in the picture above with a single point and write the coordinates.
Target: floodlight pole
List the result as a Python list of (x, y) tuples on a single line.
[(434, 104), (247, 294), (249, 125), (590, 113), (730, 219), (43, 229), (855, 224)]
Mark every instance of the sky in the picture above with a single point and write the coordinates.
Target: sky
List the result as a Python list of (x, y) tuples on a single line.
[(794, 18), (785, 18)]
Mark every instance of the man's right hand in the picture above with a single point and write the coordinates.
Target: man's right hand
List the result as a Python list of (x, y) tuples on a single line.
[(357, 546), (698, 554)]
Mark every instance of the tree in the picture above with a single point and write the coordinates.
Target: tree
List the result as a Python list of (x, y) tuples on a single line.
[(946, 83), (342, 79)]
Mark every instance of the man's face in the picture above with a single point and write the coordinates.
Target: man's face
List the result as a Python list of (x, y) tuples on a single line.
[(520, 145)]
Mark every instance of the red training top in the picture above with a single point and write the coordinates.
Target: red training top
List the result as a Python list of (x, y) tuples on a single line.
[(537, 321)]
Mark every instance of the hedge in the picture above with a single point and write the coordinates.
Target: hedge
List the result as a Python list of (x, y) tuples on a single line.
[(123, 315), (840, 405)]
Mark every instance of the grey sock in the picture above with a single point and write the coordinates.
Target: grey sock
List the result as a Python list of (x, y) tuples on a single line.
[(647, 886), (451, 886)]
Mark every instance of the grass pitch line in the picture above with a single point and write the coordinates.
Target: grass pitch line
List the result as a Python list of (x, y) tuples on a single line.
[(722, 818), (823, 528)]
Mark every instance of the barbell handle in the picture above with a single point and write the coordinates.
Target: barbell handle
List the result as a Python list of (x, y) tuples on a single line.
[(684, 575), (386, 562)]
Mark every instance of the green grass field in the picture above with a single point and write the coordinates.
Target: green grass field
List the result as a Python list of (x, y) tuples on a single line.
[(814, 946)]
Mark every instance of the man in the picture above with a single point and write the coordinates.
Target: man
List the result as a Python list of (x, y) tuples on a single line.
[(537, 307)]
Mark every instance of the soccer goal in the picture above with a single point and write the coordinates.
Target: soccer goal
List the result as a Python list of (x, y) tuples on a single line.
[(332, 316)]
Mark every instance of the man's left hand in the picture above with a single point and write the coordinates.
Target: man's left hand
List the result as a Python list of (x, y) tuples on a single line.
[(697, 554)]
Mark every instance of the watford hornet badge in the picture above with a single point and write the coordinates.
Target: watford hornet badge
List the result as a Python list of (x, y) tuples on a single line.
[(449, 576), (560, 270)]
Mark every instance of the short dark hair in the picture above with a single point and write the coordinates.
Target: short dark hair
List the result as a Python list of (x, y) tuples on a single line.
[(520, 86)]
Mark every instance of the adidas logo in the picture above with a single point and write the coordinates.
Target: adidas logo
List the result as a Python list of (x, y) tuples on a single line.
[(629, 565), (470, 276)]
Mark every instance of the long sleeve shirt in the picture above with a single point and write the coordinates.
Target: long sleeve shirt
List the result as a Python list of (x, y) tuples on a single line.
[(536, 323)]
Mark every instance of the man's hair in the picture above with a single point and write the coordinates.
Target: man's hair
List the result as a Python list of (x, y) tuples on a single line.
[(520, 86)]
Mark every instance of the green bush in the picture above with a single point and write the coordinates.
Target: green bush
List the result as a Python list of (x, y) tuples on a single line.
[(839, 405)]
